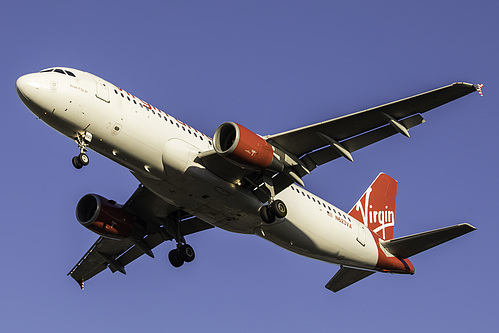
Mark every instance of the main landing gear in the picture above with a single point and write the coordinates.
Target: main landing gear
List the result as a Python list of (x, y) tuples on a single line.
[(82, 140), (276, 209), (184, 252)]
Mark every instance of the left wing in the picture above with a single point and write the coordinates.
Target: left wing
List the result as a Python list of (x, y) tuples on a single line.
[(116, 254), (345, 277)]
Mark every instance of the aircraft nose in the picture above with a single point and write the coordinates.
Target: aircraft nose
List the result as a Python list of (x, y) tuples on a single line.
[(28, 86)]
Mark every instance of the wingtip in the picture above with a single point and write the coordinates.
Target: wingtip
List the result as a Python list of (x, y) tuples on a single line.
[(478, 88), (468, 226)]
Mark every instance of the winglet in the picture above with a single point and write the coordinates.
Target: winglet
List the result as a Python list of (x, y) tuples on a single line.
[(478, 88)]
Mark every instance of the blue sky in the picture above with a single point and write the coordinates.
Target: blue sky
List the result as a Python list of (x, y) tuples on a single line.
[(271, 66)]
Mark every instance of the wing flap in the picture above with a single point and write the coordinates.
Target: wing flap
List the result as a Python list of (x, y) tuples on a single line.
[(408, 246), (345, 277)]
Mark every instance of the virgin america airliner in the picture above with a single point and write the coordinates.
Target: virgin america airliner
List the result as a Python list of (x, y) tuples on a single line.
[(238, 181)]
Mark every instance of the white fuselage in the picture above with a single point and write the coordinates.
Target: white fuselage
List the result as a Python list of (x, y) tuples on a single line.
[(161, 152)]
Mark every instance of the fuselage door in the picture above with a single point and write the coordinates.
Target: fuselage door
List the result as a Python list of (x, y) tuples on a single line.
[(102, 91), (361, 234)]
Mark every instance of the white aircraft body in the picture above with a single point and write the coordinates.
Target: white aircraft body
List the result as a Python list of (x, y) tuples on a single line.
[(239, 181)]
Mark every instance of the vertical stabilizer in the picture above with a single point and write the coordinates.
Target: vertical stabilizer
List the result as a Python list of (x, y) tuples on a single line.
[(376, 208)]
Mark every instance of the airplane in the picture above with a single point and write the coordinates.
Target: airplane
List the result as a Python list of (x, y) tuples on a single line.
[(238, 180)]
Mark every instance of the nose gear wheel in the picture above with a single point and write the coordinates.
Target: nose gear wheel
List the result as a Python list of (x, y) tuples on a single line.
[(82, 140)]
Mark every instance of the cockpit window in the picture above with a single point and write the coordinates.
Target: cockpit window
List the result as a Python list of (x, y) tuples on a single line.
[(58, 70)]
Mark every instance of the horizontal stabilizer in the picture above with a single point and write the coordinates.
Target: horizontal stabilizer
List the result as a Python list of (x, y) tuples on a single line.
[(345, 277), (405, 247)]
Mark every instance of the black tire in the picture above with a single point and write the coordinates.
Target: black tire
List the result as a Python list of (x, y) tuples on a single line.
[(278, 209), (266, 215), (187, 253), (76, 162), (83, 158), (175, 258)]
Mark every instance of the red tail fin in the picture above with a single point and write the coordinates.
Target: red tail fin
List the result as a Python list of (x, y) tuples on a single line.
[(376, 208)]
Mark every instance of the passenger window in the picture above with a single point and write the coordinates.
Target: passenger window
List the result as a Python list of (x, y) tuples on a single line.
[(57, 70), (70, 73)]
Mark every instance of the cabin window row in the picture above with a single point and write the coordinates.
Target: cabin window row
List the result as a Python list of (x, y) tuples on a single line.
[(163, 115), (308, 196)]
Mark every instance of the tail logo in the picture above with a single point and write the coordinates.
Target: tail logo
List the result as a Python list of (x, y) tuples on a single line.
[(376, 208)]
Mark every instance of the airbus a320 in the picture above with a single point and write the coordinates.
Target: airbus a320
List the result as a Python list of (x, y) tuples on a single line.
[(238, 181)]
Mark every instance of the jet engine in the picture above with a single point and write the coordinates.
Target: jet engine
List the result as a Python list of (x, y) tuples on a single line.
[(104, 217), (243, 147)]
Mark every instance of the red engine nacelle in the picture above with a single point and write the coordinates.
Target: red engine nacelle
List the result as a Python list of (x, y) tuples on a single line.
[(104, 217), (242, 146)]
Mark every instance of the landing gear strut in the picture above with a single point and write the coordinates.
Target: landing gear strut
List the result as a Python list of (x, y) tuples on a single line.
[(184, 252), (275, 208), (82, 140)]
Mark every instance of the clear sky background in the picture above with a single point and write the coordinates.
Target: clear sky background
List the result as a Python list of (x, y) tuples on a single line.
[(271, 66)]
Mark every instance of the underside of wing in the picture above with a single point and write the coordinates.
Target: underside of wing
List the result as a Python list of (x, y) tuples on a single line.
[(116, 254), (305, 140), (314, 145)]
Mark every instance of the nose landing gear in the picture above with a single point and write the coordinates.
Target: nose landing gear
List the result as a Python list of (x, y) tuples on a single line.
[(82, 140), (80, 160)]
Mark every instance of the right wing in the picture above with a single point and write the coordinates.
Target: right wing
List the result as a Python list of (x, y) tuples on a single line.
[(116, 254)]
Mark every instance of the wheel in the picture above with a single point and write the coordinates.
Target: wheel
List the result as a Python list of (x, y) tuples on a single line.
[(187, 253), (175, 258), (278, 209), (83, 158), (76, 162), (266, 215)]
